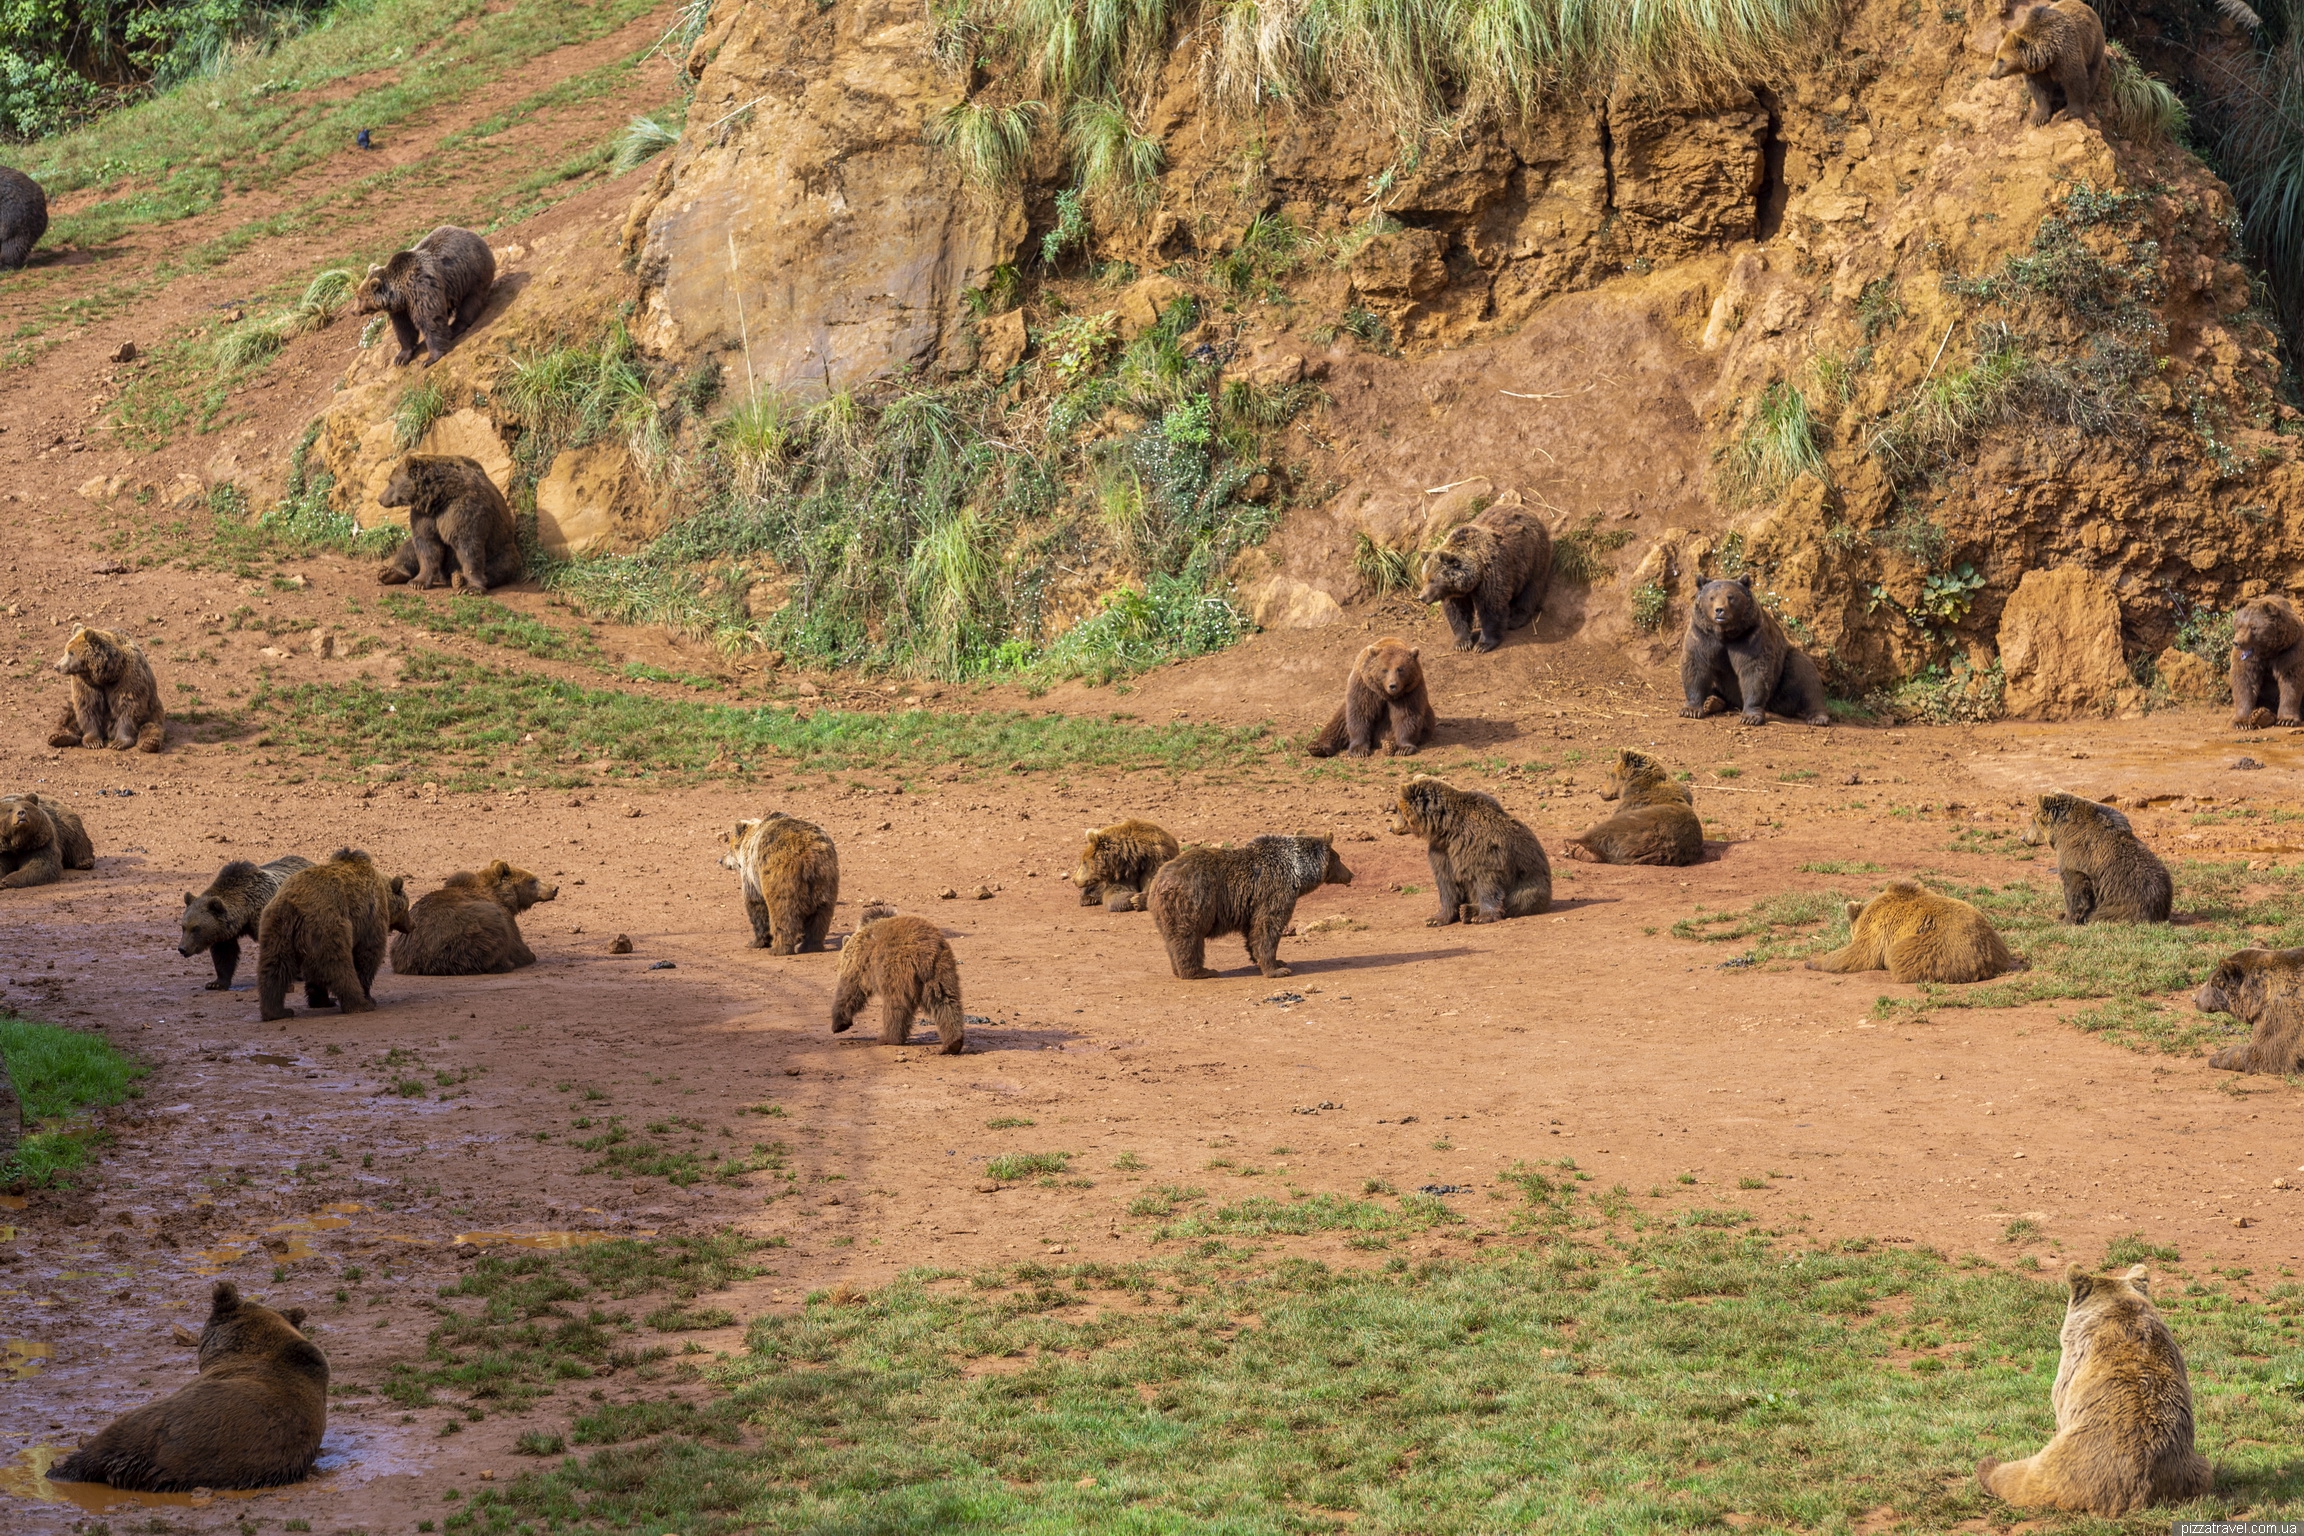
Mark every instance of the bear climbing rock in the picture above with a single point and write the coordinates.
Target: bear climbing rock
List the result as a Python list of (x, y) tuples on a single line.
[(437, 287), (2264, 989), (2059, 50), (2267, 664), (230, 910), (906, 963), (1735, 657), (1118, 862), (1655, 823), (39, 840), (252, 1418), (1384, 688), (469, 927), (1203, 893), (115, 698), (327, 928), (2109, 875), (23, 217), (1489, 575), (791, 877), (460, 527), (1487, 865), (2123, 1406), (1916, 935)]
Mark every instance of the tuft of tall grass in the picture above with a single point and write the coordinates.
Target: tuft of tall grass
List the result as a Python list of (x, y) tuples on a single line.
[(421, 404), (1111, 161), (571, 396), (642, 140), (989, 144), (1775, 446), (1943, 415), (2137, 106), (1382, 569), (253, 342)]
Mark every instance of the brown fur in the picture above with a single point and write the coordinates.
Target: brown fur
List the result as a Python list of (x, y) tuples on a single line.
[(437, 287), (906, 963), (460, 527), (1656, 823), (252, 1418), (1735, 656), (1203, 893), (1118, 863), (115, 699), (2264, 989), (327, 928), (39, 840), (1917, 935), (2059, 50), (23, 216), (2267, 664), (468, 927), (1489, 575), (2123, 1410), (1488, 866), (1386, 683), (230, 910), (791, 881), (2109, 875)]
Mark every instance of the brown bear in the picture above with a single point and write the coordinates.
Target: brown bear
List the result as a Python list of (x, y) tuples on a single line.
[(2261, 988), (460, 527), (1917, 935), (1118, 862), (1735, 656), (2109, 875), (906, 963), (2267, 665), (23, 217), (327, 928), (1488, 865), (1489, 575), (2123, 1408), (1206, 892), (1657, 824), (791, 881), (252, 1418), (2059, 50), (39, 840), (230, 909), (438, 287), (115, 699), (1386, 683), (469, 926)]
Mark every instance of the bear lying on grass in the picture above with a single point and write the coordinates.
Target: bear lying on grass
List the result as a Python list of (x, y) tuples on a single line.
[(1916, 935), (2263, 988)]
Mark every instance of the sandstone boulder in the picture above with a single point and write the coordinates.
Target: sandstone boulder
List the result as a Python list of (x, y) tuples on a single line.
[(2187, 677), (1000, 342), (1286, 603), (2060, 645)]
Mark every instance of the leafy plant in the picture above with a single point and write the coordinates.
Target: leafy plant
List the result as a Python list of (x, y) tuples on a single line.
[(1070, 230), (1651, 604)]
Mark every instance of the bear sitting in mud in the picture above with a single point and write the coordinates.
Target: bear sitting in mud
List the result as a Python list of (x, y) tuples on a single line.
[(1486, 863), (2264, 989), (1386, 685), (252, 1418), (469, 926), (115, 698), (906, 963), (23, 217), (437, 287), (230, 910), (1203, 893), (1118, 862), (2058, 47), (2267, 665), (1489, 575), (1656, 825), (39, 840), (327, 928), (2109, 875), (460, 527), (1735, 657), (1917, 935), (791, 881)]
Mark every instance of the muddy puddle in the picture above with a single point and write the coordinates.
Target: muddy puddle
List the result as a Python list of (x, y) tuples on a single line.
[(346, 1456)]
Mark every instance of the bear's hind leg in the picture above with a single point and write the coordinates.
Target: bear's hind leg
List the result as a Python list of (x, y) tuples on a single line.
[(67, 732), (897, 1005), (1527, 602), (819, 928), (1188, 955), (940, 1000), (471, 550), (2291, 681)]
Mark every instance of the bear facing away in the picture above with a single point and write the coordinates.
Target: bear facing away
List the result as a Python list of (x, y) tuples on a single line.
[(252, 1418), (1118, 862), (906, 963), (1656, 822), (2123, 1410), (115, 698), (1385, 687), (1917, 935), (2109, 875), (791, 881), (2267, 664), (437, 287), (2059, 50), (468, 927), (327, 928), (1487, 865), (1735, 656), (23, 217), (1203, 893), (230, 909), (1489, 575), (460, 528), (2264, 989), (39, 840)]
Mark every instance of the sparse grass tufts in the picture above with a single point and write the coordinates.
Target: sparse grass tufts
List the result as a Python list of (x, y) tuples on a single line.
[(572, 396), (422, 404), (1775, 446), (1381, 568), (989, 144), (1579, 552), (1011, 1166), (2136, 105), (1111, 161)]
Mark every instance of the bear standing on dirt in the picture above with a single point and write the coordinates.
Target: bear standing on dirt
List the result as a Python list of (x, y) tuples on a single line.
[(1117, 864), (115, 698), (1735, 656), (1656, 825), (1489, 575), (1916, 935), (39, 840), (468, 927), (791, 881), (230, 910), (2109, 875), (327, 928), (2267, 665), (1386, 684), (23, 217), (2123, 1407), (1487, 864), (2059, 49), (906, 963), (252, 1418), (460, 527), (2261, 988), (438, 287), (1203, 893)]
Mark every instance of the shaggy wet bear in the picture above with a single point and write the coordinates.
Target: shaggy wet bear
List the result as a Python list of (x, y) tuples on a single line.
[(1735, 657), (468, 927), (1203, 893), (231, 909), (327, 928), (437, 287), (1486, 864), (1489, 575), (791, 877), (906, 963), (460, 527), (1118, 862), (2109, 875)]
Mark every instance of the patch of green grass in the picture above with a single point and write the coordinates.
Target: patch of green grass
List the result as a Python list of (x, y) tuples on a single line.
[(1841, 867), (1008, 1122), (60, 1075), (618, 1154), (679, 1319), (1777, 922), (1010, 1166), (1777, 445), (492, 623)]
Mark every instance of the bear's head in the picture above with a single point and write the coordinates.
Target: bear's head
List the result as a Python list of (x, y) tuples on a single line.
[(1092, 870), (1393, 667), (1455, 567), (207, 920), (2247, 980), (1637, 773), (1422, 808), (873, 914), (2090, 1293), (24, 824), (372, 297), (2264, 627), (734, 840), (242, 1332), (97, 655), (401, 490), (1727, 608), (2056, 812), (515, 887), (2027, 42)]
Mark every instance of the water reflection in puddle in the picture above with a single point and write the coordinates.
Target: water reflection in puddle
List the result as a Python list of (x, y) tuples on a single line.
[(20, 1358), (535, 1239)]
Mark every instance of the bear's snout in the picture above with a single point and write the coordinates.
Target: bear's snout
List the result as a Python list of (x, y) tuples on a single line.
[(2210, 999)]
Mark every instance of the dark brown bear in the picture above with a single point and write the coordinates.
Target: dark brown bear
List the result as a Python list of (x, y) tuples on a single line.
[(2059, 50), (1386, 685), (2260, 987), (1489, 575), (1656, 823), (906, 963), (438, 287), (2267, 665), (1118, 863), (230, 909), (115, 699), (791, 873), (460, 528), (1735, 657), (23, 217), (39, 840), (2109, 875), (252, 1418), (1204, 893), (1487, 864), (468, 927), (327, 928)]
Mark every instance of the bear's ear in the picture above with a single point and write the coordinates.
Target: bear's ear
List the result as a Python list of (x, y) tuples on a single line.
[(294, 1317), (189, 898), (1746, 578), (2079, 1280), (1855, 910), (1414, 653), (499, 870), (224, 1300), (399, 885), (375, 269), (216, 905), (2139, 1280), (1090, 833)]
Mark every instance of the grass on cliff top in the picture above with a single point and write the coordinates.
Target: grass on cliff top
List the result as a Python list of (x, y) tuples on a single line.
[(59, 1076)]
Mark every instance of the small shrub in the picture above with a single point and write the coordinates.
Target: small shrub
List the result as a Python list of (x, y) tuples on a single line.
[(538, 1442), (2137, 106), (1651, 605)]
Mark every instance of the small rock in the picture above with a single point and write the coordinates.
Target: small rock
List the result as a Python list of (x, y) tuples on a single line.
[(126, 353), (791, 1071), (2282, 1184), (620, 945), (808, 690), (947, 894), (666, 965), (467, 1250), (1849, 778), (987, 1186), (884, 826), (2246, 764), (1054, 1249), (113, 568), (2243, 1221), (983, 893), (574, 801), (323, 644), (179, 1334), (631, 810)]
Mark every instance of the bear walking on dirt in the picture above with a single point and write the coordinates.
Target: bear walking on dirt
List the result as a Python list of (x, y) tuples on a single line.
[(1489, 575), (2264, 989), (2109, 875), (460, 527), (115, 698), (1735, 656), (231, 909), (469, 926), (39, 840), (1204, 893), (906, 963), (327, 928), (2058, 48), (23, 217), (2267, 665), (1486, 863), (437, 287), (1386, 685), (1656, 823), (1118, 862), (791, 881), (1916, 935)]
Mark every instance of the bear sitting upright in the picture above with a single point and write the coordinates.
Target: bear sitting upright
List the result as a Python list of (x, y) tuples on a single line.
[(1489, 575), (1735, 656), (1117, 864), (468, 927), (115, 698), (1385, 685), (231, 909), (1486, 863), (2267, 665), (39, 840), (438, 287), (460, 527), (1251, 891), (2109, 875)]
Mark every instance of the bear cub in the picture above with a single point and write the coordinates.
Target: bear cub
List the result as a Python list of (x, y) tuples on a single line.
[(2109, 875), (907, 964), (1385, 686), (1118, 862), (115, 698), (327, 928), (230, 910), (1916, 935), (1489, 575), (791, 876), (1735, 657), (436, 287), (1486, 864), (468, 927), (2267, 665), (39, 840), (1656, 825), (1203, 893), (460, 527)]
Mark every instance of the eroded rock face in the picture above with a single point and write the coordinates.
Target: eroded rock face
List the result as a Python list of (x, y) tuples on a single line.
[(2060, 646), (596, 499)]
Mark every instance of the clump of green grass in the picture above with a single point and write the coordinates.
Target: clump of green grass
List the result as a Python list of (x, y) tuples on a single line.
[(2136, 105), (1112, 161), (989, 144), (1787, 925), (421, 404), (569, 397), (1381, 568), (1011, 1166), (60, 1076), (1775, 446), (492, 623), (1009, 1122), (1650, 606), (621, 1155), (643, 139), (254, 341), (1579, 551), (1945, 413)]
